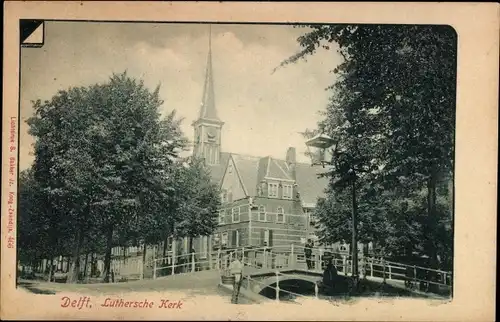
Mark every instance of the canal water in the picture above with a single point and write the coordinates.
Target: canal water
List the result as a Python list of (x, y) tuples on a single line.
[(304, 288)]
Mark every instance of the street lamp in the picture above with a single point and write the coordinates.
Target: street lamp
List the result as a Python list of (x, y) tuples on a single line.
[(319, 149), (320, 145)]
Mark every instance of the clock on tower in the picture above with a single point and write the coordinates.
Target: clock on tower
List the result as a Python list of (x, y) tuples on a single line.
[(211, 134)]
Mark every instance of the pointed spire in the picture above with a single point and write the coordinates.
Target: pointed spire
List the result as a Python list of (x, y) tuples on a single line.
[(208, 110)]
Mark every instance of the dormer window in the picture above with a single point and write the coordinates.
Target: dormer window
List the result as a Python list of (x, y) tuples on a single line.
[(272, 190), (287, 191)]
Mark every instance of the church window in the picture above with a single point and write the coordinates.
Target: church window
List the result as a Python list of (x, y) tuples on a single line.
[(272, 190)]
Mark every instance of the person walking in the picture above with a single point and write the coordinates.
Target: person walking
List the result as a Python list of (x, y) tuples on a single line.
[(308, 253), (236, 270)]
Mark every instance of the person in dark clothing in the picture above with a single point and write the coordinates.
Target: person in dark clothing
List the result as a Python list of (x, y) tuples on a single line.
[(330, 275), (308, 253)]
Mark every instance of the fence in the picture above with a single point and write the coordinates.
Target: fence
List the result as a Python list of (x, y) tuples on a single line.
[(288, 257)]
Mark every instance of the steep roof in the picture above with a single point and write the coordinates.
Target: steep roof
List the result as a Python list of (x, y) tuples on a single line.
[(217, 170), (208, 110), (247, 168), (251, 170), (310, 186)]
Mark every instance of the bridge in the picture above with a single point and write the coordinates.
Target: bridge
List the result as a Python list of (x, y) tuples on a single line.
[(281, 268)]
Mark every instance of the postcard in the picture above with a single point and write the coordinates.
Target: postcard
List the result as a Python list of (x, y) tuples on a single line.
[(249, 161)]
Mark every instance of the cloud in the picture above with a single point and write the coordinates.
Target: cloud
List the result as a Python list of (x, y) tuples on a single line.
[(263, 111)]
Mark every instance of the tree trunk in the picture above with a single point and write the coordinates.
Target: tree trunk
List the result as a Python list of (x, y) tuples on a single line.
[(50, 269), (144, 249), (432, 216), (85, 265), (74, 270), (432, 223), (190, 245), (107, 258), (92, 266), (165, 249)]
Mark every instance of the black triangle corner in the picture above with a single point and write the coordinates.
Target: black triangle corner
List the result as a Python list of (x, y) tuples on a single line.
[(27, 27)]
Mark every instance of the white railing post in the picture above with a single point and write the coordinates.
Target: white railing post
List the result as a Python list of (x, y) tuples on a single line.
[(292, 257), (154, 267), (264, 259), (316, 290), (371, 267), (415, 274), (193, 264), (271, 257), (390, 271), (318, 260), (243, 255), (277, 286), (344, 265)]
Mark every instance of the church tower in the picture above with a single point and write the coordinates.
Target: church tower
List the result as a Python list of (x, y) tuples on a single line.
[(208, 126)]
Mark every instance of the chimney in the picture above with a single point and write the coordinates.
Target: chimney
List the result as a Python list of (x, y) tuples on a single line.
[(291, 160), (290, 156)]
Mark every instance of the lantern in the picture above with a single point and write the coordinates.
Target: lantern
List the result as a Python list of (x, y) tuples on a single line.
[(318, 149)]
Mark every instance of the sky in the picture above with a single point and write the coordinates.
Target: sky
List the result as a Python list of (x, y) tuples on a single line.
[(263, 111)]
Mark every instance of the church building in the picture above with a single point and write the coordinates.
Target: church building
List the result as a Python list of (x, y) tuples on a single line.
[(265, 201)]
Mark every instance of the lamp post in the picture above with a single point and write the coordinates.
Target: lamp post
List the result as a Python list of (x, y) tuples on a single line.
[(320, 144)]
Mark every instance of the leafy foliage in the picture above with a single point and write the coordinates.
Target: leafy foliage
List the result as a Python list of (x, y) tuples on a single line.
[(107, 172), (392, 114), (197, 206)]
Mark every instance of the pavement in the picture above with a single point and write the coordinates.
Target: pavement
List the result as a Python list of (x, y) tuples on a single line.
[(204, 282)]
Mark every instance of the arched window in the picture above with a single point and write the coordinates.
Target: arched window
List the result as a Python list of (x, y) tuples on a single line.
[(262, 213), (280, 215)]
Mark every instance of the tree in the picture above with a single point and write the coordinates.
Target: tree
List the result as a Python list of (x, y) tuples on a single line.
[(393, 109), (196, 201), (101, 151)]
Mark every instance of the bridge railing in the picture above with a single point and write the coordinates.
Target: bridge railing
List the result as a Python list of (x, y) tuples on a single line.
[(173, 264), (278, 290), (293, 256)]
